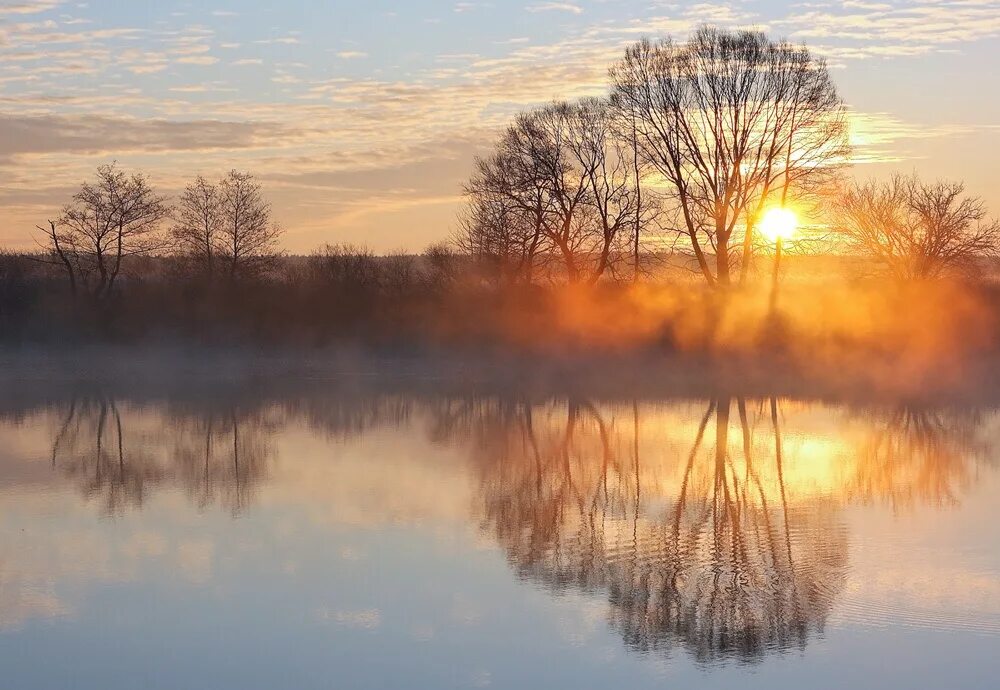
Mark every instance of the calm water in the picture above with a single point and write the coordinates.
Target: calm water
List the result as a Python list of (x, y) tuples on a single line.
[(351, 538)]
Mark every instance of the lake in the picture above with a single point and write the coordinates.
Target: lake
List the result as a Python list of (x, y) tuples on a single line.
[(342, 534)]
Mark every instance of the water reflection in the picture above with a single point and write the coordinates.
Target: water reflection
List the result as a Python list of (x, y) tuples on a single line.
[(711, 558), (911, 455), (116, 454), (714, 528)]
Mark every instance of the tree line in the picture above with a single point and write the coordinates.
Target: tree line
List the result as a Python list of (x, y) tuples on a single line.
[(222, 227), (691, 146)]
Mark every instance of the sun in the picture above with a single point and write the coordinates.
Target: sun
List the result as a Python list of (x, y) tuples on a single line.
[(778, 224)]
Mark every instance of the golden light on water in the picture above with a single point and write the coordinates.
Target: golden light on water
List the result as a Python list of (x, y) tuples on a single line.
[(779, 224)]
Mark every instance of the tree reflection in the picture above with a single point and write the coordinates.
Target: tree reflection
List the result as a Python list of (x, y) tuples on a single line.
[(117, 454), (90, 448), (221, 458), (912, 454), (713, 560), (717, 536), (714, 528)]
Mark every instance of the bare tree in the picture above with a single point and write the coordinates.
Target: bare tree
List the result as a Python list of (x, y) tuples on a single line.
[(916, 230), (198, 224), (352, 270), (60, 250), (560, 186), (249, 238), (501, 226), (613, 185), (730, 120), (441, 267), (115, 217), (545, 138)]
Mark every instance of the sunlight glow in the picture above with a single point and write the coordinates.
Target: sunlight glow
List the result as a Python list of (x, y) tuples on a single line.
[(778, 224)]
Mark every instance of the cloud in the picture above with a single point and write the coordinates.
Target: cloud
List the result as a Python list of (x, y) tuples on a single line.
[(555, 7), (880, 137), (198, 60), (858, 30), (35, 7), (461, 7), (92, 134), (368, 619)]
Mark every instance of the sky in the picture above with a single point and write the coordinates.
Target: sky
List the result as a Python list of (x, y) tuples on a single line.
[(362, 118)]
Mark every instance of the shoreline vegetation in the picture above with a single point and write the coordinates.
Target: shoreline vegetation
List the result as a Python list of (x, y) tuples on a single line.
[(597, 236)]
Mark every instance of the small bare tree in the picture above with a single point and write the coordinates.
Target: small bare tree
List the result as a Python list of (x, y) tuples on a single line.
[(349, 268), (441, 269), (916, 230), (249, 237), (501, 227), (198, 224), (115, 217)]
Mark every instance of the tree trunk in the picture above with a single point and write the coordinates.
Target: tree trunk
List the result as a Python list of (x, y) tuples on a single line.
[(722, 260), (602, 262), (70, 271), (747, 251)]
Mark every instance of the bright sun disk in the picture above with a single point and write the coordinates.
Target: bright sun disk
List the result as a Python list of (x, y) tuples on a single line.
[(778, 224)]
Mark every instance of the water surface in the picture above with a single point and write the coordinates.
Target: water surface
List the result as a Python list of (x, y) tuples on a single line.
[(382, 537)]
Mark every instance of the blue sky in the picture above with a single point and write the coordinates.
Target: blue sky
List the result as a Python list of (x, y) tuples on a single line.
[(362, 117)]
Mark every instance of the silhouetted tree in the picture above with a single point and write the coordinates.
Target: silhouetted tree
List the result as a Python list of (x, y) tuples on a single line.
[(506, 211), (729, 120), (442, 269), (547, 137), (249, 237), (613, 184), (198, 224), (115, 217), (559, 185), (914, 229), (348, 269)]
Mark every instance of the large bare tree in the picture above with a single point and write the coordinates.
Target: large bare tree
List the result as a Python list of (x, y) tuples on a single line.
[(110, 219), (731, 121), (916, 230), (249, 237)]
